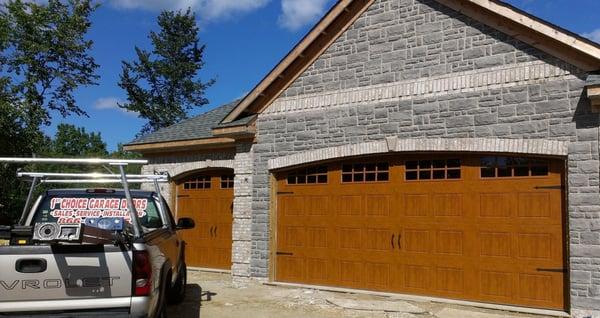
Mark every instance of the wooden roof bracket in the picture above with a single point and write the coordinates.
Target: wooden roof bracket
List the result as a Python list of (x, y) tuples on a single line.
[(593, 93)]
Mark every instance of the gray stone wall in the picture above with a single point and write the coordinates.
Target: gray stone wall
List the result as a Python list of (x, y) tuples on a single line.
[(399, 40), (178, 165), (403, 40)]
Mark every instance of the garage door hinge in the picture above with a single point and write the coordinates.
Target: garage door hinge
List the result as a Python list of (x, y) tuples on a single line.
[(553, 270), (285, 192), (285, 253), (550, 187), (183, 196)]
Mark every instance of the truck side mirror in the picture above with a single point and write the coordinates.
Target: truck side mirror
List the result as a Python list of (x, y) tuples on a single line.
[(185, 224)]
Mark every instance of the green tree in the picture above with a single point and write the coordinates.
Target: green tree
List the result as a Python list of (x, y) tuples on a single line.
[(71, 141), (44, 58), (163, 85)]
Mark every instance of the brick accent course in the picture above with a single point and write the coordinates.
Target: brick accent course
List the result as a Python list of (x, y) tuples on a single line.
[(394, 144)]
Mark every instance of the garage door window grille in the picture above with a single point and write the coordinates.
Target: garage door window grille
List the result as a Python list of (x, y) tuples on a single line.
[(198, 183), (365, 172), (507, 167), (226, 182), (313, 175), (439, 169)]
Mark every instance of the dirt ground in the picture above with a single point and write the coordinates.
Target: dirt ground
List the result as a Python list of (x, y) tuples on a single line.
[(213, 295)]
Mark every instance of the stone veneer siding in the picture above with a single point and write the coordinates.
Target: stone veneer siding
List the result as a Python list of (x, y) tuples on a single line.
[(403, 40)]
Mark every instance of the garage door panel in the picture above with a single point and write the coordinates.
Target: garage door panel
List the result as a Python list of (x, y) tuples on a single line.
[(350, 238), (317, 270), (348, 205), (496, 205), (417, 240), (351, 273), (416, 204), (377, 276), (497, 285), (450, 280), (449, 242), (536, 287), (378, 239), (495, 244), (417, 277), (290, 269), (447, 204), (496, 239), (377, 205), (534, 205)]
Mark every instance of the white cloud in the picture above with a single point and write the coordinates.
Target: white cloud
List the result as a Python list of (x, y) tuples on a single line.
[(298, 13), (207, 9), (594, 35), (108, 103)]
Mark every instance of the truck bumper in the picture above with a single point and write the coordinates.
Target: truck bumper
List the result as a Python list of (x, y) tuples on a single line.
[(100, 307)]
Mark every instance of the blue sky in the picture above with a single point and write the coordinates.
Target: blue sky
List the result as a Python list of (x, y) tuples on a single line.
[(245, 39)]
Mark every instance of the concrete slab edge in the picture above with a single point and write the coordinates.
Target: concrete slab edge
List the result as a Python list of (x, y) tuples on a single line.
[(209, 270), (526, 310)]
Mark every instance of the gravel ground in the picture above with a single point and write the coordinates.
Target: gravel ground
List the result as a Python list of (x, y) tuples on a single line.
[(213, 295)]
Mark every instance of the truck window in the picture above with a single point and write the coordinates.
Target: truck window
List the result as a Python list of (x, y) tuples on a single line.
[(73, 208)]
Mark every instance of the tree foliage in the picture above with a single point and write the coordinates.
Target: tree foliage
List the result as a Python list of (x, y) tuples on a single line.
[(71, 141), (44, 58), (163, 85)]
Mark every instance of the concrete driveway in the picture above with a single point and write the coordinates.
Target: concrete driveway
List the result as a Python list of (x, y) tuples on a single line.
[(213, 295)]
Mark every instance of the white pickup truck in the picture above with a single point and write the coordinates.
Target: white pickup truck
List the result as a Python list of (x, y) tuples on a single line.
[(83, 253)]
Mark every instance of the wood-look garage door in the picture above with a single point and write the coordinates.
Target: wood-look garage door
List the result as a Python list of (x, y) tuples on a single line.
[(208, 199), (479, 228)]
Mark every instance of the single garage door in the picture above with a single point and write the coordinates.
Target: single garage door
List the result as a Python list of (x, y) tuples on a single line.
[(208, 199), (478, 227)]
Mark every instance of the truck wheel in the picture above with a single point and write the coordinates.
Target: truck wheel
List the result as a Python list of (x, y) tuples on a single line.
[(177, 292)]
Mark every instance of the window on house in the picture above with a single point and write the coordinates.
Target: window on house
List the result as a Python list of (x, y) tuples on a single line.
[(198, 183), (432, 169), (313, 175), (365, 172), (227, 182), (507, 167)]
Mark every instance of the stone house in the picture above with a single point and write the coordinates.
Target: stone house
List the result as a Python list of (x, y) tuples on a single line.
[(439, 148)]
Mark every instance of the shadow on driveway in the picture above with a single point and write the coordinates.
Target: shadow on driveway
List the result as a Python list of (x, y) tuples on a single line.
[(191, 306)]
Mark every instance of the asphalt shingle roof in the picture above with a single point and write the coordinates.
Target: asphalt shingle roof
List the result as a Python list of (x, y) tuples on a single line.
[(197, 127), (593, 79)]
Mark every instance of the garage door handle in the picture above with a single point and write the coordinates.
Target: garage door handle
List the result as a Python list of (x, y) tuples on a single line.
[(211, 231), (392, 240), (399, 245), (215, 231)]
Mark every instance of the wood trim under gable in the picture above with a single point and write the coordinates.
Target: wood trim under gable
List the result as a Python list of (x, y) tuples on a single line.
[(171, 146), (535, 32), (339, 18)]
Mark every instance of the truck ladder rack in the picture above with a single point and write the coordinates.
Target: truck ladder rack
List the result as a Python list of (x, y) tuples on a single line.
[(91, 178)]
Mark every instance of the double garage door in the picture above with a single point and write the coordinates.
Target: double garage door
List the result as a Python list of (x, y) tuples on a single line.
[(478, 228)]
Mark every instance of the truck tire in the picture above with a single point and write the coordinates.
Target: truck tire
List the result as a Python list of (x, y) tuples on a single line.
[(161, 310), (177, 292)]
